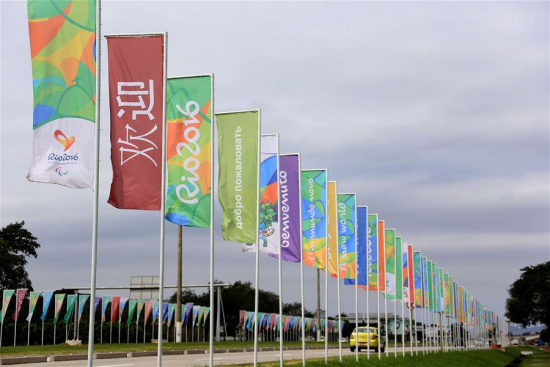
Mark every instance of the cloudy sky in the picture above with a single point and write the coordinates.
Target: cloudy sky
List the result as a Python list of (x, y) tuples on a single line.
[(435, 113)]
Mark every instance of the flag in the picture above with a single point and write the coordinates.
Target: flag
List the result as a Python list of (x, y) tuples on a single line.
[(201, 314), (171, 311), (165, 307), (19, 298), (399, 268), (59, 298), (410, 269), (239, 138), (63, 52), (332, 228), (148, 308), (289, 193), (314, 217), (381, 256), (242, 314), (188, 314), (372, 248), (132, 305), (46, 299), (347, 218), (71, 300), (121, 305), (96, 303), (430, 286), (452, 298), (82, 299), (33, 299), (390, 263), (447, 296), (405, 270), (195, 314), (418, 298), (140, 307), (115, 304), (269, 226), (136, 88), (189, 150), (361, 248), (425, 283), (104, 302), (155, 311)]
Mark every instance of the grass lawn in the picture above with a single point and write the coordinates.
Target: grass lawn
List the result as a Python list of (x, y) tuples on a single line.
[(538, 359), (66, 349)]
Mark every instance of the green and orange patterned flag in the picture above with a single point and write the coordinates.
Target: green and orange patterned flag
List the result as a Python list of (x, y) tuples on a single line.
[(33, 300), (59, 298), (189, 150), (62, 36), (6, 298), (390, 263), (314, 217)]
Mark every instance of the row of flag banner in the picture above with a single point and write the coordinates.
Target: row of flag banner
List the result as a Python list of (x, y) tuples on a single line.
[(270, 321), (191, 315), (269, 203)]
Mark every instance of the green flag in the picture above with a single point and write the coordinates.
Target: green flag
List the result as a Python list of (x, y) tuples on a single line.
[(7, 294), (59, 298), (189, 150), (399, 268), (71, 300), (430, 287), (238, 154), (131, 310)]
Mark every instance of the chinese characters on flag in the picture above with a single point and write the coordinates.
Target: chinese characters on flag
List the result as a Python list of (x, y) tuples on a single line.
[(136, 86)]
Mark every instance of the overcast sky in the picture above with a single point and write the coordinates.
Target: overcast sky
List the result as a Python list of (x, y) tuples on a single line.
[(435, 113)]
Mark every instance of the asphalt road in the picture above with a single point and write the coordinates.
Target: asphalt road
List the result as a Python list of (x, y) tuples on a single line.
[(202, 359)]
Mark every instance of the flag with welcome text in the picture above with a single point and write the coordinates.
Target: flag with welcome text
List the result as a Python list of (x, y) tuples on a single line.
[(238, 156), (347, 236), (63, 51), (314, 217), (136, 91)]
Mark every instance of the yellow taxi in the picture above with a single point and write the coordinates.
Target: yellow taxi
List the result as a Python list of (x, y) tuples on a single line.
[(368, 338)]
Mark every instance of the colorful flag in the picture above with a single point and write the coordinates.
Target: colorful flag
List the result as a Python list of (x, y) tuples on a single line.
[(199, 317), (148, 309), (405, 270), (96, 303), (63, 51), (195, 314), (132, 305), (361, 249), (418, 298), (314, 217), (332, 228), (238, 155), (189, 150), (171, 311), (82, 299), (46, 299), (155, 311), (242, 314), (447, 295), (104, 302), (399, 268), (115, 304), (452, 298), (165, 307), (381, 256), (347, 227), (390, 263), (136, 91), (410, 269), (372, 246), (59, 298), (269, 226), (425, 282), (430, 286), (121, 305), (289, 192), (19, 298), (188, 314), (33, 299), (71, 301), (140, 307)]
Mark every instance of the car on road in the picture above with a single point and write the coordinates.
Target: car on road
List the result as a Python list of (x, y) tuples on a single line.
[(366, 337)]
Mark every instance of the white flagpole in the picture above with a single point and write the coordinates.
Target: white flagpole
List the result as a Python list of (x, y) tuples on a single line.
[(368, 284), (162, 202), (403, 320), (96, 188), (280, 259), (301, 261), (378, 296), (356, 295), (326, 279), (257, 290), (338, 287), (395, 323), (211, 324)]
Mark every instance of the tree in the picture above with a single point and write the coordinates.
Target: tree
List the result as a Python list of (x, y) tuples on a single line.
[(529, 301), (16, 245)]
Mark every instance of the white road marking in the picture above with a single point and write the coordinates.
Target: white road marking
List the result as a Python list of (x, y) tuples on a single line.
[(207, 359)]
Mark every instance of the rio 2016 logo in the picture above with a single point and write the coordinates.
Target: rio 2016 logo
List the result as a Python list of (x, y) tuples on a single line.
[(60, 172), (63, 139)]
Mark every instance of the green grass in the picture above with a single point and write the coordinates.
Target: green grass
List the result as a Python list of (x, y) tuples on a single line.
[(479, 358), (538, 359), (66, 349)]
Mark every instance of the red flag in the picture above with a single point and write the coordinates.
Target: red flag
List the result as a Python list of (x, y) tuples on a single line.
[(20, 297), (241, 318), (115, 302), (148, 308), (410, 262), (136, 85)]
